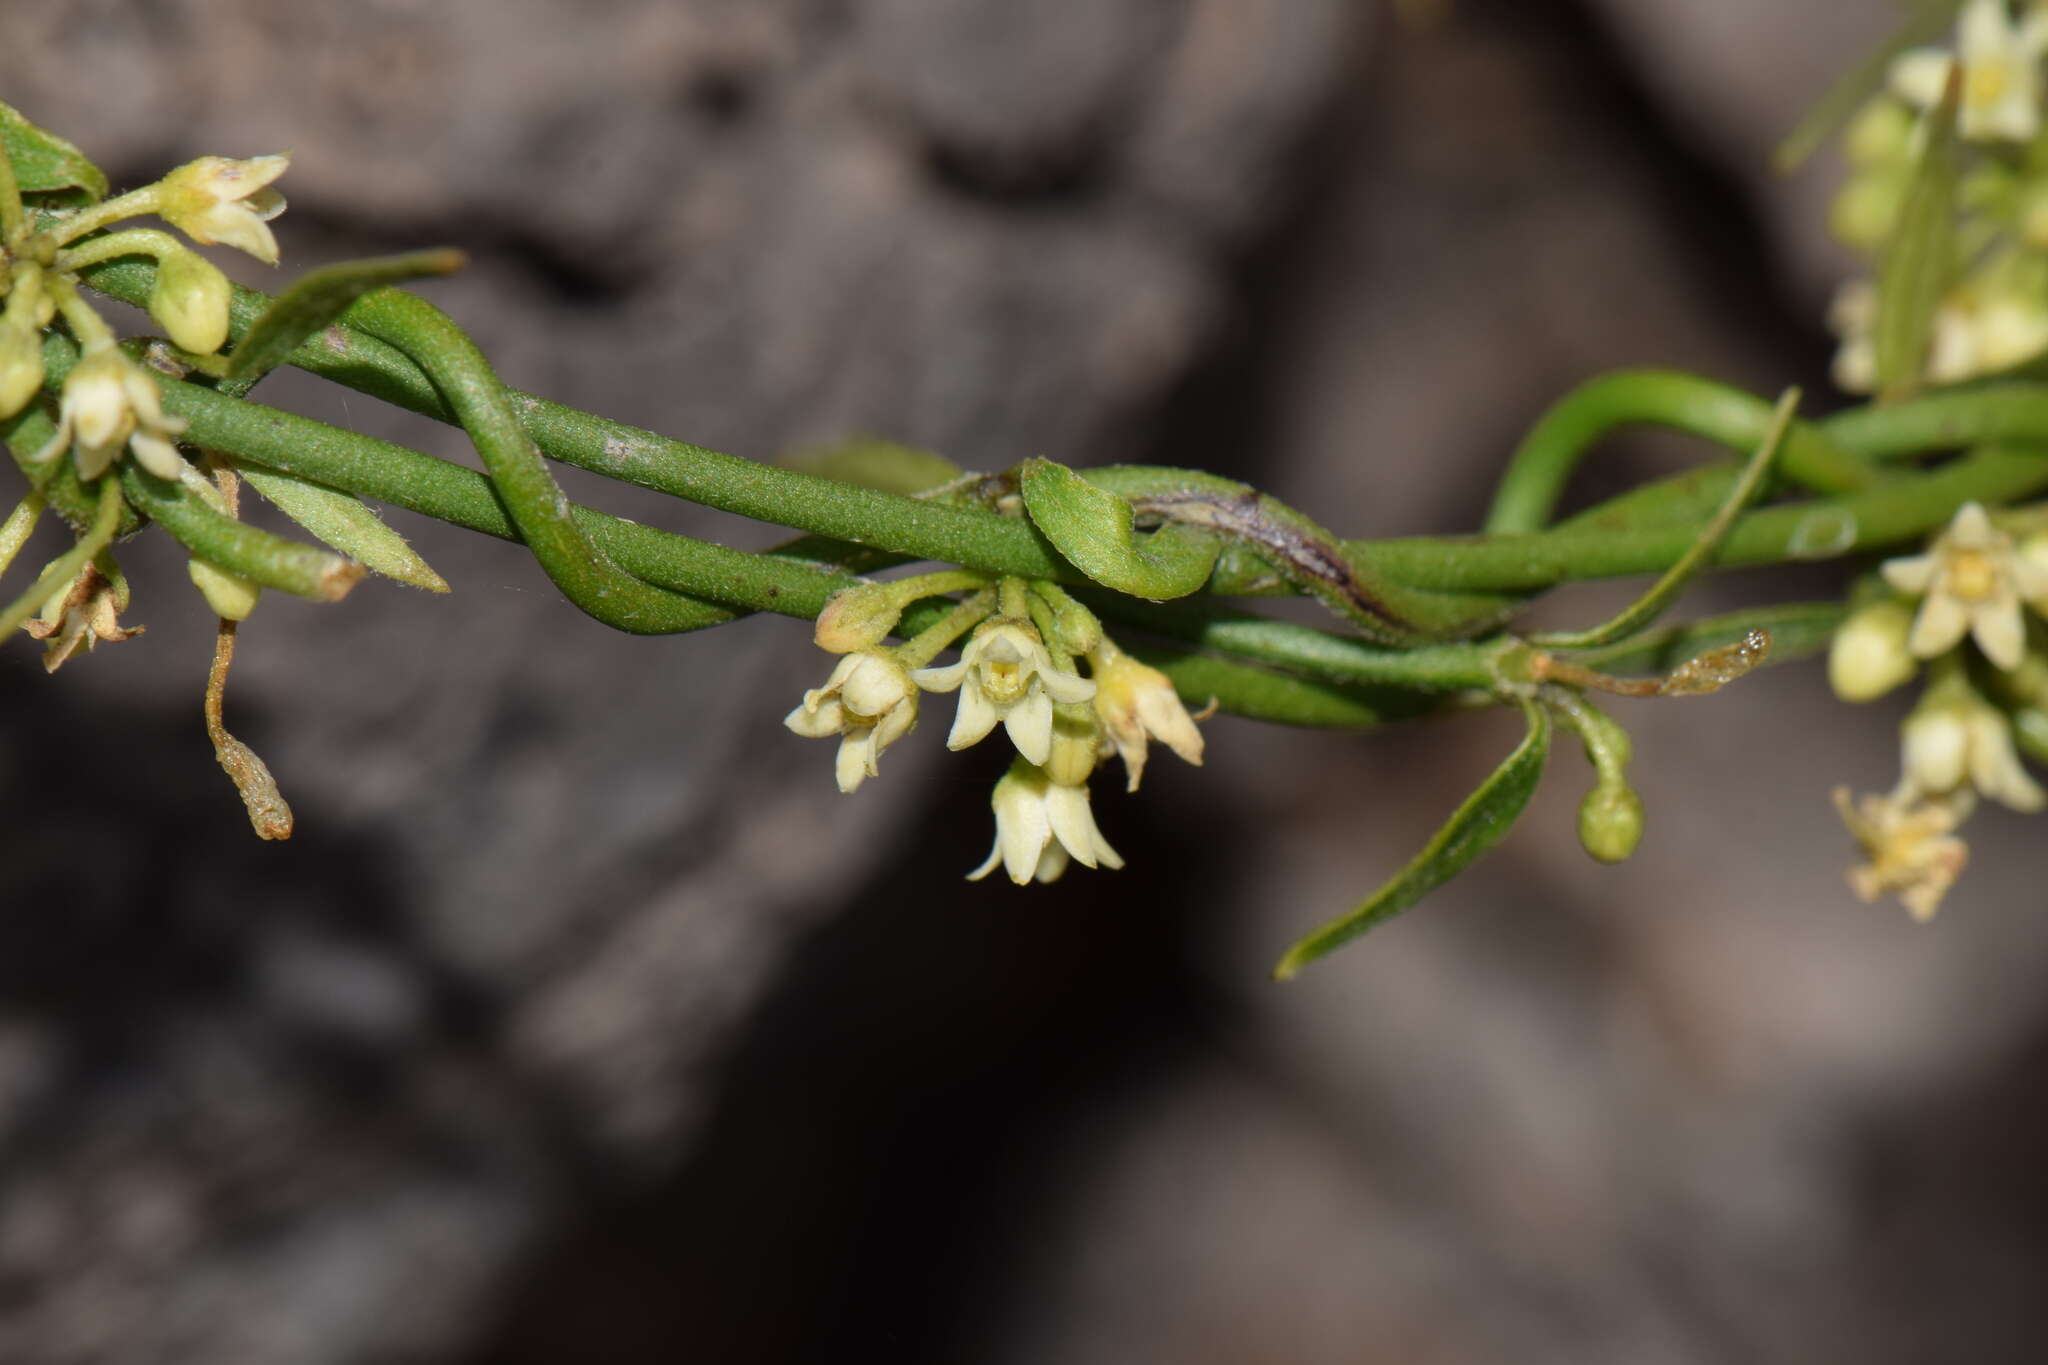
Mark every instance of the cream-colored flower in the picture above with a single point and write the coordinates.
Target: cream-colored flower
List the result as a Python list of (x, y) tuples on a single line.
[(220, 199), (1040, 825), (1964, 339), (1911, 843), (1956, 737), (2001, 60), (1972, 582), (870, 701), (110, 401), (1135, 704), (1005, 674)]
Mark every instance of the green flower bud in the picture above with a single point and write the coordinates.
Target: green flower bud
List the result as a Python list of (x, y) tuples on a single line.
[(190, 302), (230, 595), (21, 366), (1864, 210), (1611, 821), (1879, 133), (1869, 655)]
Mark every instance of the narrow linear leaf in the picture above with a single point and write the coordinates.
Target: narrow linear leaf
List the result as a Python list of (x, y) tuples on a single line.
[(866, 462), (1476, 827), (44, 162), (343, 521), (1094, 529), (1920, 255), (316, 299), (1928, 21)]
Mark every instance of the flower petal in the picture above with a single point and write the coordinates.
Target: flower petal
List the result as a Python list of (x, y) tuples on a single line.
[(1067, 687), (1030, 725), (976, 717), (1913, 574), (941, 679), (1940, 624), (2001, 633)]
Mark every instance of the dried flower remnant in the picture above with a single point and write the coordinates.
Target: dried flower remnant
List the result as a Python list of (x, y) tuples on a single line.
[(85, 613), (1137, 703), (1911, 844)]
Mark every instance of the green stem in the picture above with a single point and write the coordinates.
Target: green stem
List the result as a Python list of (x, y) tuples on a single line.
[(2015, 413), (1897, 510), (1536, 475), (917, 528), (586, 575), (15, 530)]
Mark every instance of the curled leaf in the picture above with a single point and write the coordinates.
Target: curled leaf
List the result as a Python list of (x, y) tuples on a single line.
[(1096, 530), (1477, 826)]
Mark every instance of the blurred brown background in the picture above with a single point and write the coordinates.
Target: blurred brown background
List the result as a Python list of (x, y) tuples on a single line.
[(583, 1020)]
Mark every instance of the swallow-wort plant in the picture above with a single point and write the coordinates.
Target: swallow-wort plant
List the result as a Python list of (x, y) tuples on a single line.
[(1076, 616)]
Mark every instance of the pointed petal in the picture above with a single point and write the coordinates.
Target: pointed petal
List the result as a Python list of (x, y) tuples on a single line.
[(817, 723), (2001, 633), (1913, 574), (1940, 624), (1023, 832), (941, 679), (995, 856), (856, 759), (1051, 863), (1030, 725), (1073, 825), (1918, 75), (1067, 687), (976, 717), (157, 455)]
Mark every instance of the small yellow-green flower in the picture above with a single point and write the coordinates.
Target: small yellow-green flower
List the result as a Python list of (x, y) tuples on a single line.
[(2001, 61), (1006, 674), (221, 199), (1040, 825), (1955, 738), (1971, 582), (109, 401)]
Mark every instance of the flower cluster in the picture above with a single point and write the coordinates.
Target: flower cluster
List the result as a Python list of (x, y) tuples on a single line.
[(1994, 314), (109, 401), (1974, 583), (1019, 668)]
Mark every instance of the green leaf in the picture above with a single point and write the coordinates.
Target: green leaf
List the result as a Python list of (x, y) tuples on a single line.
[(316, 299), (1920, 256), (867, 462), (1476, 827), (1094, 529), (45, 163), (344, 522), (1927, 22)]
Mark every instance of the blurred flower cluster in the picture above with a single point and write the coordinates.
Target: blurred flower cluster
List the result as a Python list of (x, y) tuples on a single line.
[(1992, 313)]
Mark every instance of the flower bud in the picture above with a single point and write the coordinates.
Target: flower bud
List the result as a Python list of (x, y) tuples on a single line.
[(1869, 654), (1864, 210), (1611, 821), (190, 301), (1076, 744), (231, 596), (857, 618), (21, 365), (1878, 134)]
